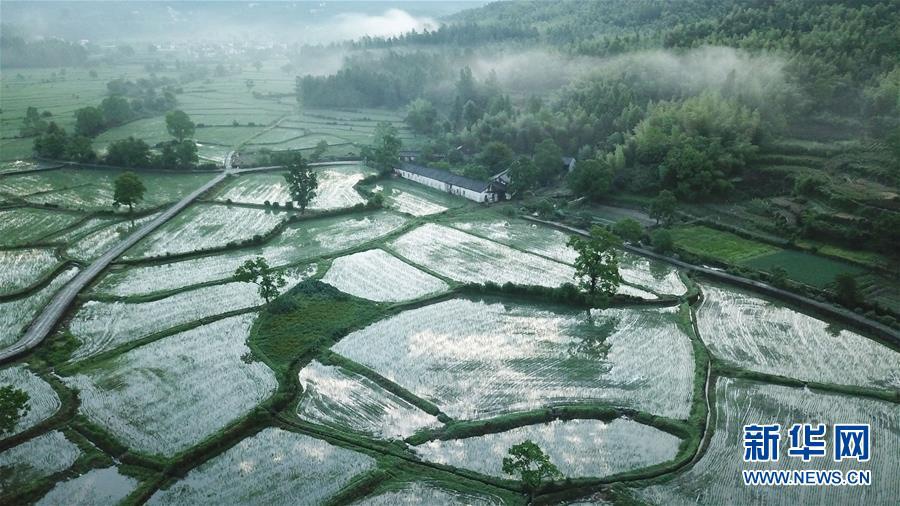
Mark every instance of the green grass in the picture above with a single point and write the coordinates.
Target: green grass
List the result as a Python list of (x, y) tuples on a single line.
[(309, 317), (706, 242), (803, 267)]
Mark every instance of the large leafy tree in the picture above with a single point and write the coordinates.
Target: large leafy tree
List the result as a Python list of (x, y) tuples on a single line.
[(385, 151), (523, 176), (128, 152), (302, 181), (257, 271), (89, 121), (548, 158), (421, 116), (496, 156), (129, 190), (597, 265), (662, 208), (591, 179), (179, 125), (532, 466), (13, 406)]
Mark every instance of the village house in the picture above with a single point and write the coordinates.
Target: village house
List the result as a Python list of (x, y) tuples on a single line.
[(454, 184)]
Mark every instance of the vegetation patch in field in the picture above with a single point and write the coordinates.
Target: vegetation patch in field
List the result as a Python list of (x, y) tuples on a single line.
[(205, 226), (379, 276), (716, 477), (98, 486), (21, 268), (42, 399), (274, 467), (466, 258), (25, 225), (307, 317), (761, 335), (806, 268), (339, 398), (16, 315), (168, 395), (34, 459), (479, 359), (707, 242), (579, 448)]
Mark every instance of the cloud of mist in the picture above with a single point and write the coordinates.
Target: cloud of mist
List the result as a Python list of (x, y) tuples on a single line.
[(353, 25)]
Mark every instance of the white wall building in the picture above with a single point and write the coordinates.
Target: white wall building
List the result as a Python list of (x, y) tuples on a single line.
[(454, 184)]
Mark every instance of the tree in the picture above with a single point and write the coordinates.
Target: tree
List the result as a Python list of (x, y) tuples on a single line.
[(319, 150), (496, 156), (591, 179), (129, 190), (548, 158), (33, 124), (531, 464), (662, 241), (80, 149), (116, 110), (597, 265), (128, 152), (302, 181), (523, 176), (13, 406), (52, 143), (629, 230), (186, 156), (385, 151), (89, 121), (779, 276), (179, 125), (421, 116), (846, 289), (663, 207), (257, 271)]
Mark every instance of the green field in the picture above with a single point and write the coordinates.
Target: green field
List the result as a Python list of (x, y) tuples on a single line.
[(706, 242), (803, 267)]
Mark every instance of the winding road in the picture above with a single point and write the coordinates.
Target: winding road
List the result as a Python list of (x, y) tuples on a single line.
[(52, 312)]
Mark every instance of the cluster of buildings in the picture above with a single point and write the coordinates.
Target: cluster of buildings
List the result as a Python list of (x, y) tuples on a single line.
[(492, 190)]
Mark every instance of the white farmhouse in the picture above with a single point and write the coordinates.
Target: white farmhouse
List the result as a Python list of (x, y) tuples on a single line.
[(446, 181)]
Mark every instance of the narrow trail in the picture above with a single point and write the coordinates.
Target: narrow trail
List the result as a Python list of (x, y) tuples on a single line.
[(51, 314)]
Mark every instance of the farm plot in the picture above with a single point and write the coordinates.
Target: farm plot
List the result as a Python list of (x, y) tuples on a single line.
[(204, 227), (150, 130), (26, 225), (42, 399), (415, 199), (378, 276), (16, 149), (274, 467), (227, 135), (101, 326), (763, 336), (416, 493), (481, 359), (166, 396), (716, 477), (34, 459), (335, 189), (99, 486), (551, 243), (335, 397), (21, 268), (94, 189), (256, 189), (96, 243), (579, 448), (278, 134), (469, 259), (296, 243), (16, 314)]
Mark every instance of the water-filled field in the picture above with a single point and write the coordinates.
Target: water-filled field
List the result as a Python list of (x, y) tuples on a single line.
[(415, 199), (335, 188), (479, 359), (21, 268), (16, 314), (470, 259), (98, 486), (273, 467), (206, 226), (716, 477), (42, 399), (94, 244), (36, 458), (101, 326), (764, 336), (339, 398), (168, 395), (91, 189), (379, 276), (418, 492), (26, 225), (579, 448)]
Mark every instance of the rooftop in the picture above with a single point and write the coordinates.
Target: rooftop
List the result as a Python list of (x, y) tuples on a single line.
[(448, 177)]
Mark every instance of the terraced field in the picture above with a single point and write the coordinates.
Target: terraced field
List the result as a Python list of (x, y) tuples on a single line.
[(378, 276), (21, 268), (26, 225), (16, 314), (36, 458), (42, 399), (99, 486), (335, 189), (480, 359)]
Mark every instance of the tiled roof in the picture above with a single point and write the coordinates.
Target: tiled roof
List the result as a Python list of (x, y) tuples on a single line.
[(448, 177)]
